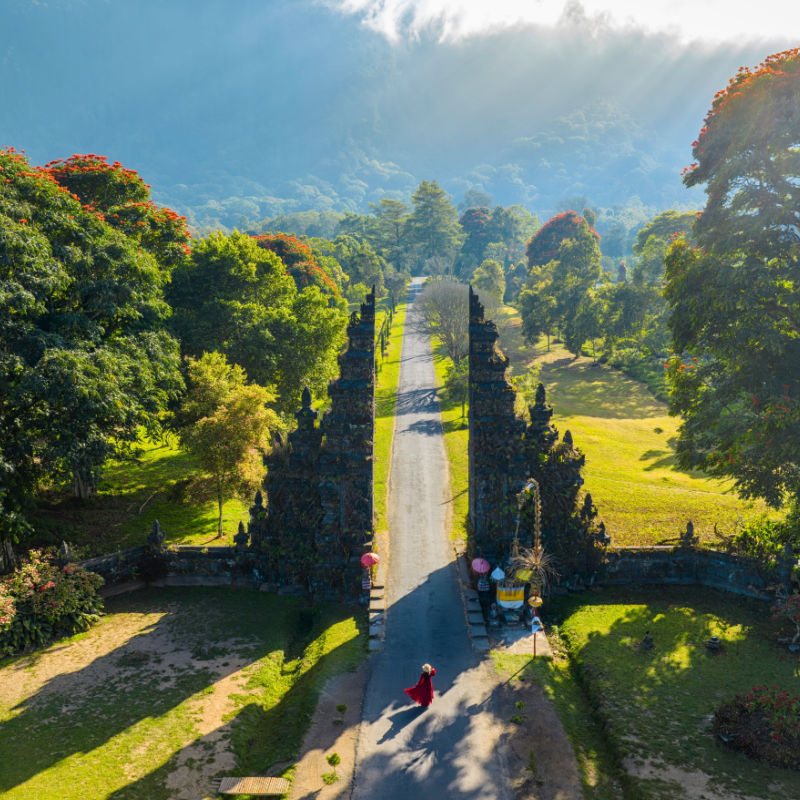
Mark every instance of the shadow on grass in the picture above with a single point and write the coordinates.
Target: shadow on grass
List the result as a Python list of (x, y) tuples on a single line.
[(78, 712), (591, 390), (655, 704), (131, 494), (265, 741)]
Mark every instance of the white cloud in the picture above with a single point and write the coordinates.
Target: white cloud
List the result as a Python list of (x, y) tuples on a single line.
[(706, 20)]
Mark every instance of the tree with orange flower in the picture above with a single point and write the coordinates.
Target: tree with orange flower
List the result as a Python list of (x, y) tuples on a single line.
[(735, 291)]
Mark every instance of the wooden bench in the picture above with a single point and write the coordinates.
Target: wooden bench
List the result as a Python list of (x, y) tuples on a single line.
[(263, 787)]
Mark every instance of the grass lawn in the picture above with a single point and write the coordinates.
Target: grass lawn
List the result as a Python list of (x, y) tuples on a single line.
[(656, 706), (456, 439), (385, 401), (171, 689), (628, 438), (132, 494)]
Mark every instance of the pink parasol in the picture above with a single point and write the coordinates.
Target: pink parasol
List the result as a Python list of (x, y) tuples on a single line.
[(370, 559), (480, 565)]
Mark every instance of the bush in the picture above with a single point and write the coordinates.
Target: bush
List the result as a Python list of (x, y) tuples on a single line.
[(768, 541), (43, 600), (764, 725), (641, 365)]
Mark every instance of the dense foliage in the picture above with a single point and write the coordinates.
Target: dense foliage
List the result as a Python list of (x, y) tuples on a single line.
[(545, 243), (564, 265), (86, 361), (42, 600), (234, 297), (735, 293), (299, 261)]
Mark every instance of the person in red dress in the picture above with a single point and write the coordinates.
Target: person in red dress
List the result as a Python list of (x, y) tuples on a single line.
[(422, 693)]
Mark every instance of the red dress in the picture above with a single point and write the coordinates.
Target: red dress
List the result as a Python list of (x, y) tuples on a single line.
[(422, 693)]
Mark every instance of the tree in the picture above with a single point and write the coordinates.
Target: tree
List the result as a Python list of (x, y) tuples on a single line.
[(475, 224), (584, 324), (85, 362), (300, 262), (735, 306), (361, 263), (225, 422), (432, 229), (445, 306), (574, 274), (122, 199), (653, 240), (235, 297), (490, 281), (513, 226), (545, 243), (388, 231), (537, 307)]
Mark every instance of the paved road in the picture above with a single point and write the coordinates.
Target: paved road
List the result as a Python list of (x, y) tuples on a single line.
[(449, 750)]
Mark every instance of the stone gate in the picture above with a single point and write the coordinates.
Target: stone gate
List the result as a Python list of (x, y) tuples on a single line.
[(316, 520)]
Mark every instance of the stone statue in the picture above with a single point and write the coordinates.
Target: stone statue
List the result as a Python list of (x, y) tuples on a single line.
[(156, 537)]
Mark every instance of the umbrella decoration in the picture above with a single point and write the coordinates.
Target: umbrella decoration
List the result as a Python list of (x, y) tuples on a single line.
[(480, 565), (370, 559)]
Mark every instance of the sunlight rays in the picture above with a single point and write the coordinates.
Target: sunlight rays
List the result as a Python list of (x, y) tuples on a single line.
[(451, 20)]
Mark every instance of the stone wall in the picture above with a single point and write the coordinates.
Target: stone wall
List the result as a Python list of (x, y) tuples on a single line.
[(187, 565), (117, 567), (690, 566)]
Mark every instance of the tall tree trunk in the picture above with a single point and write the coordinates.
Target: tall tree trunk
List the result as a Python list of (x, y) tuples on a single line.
[(83, 483), (219, 504), (8, 561)]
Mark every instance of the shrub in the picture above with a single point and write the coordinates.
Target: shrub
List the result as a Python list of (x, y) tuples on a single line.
[(639, 364), (768, 541), (43, 600), (764, 724)]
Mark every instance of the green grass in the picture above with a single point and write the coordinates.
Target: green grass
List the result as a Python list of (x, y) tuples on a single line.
[(385, 402), (628, 438), (132, 494), (598, 770), (656, 706), (117, 726), (456, 439)]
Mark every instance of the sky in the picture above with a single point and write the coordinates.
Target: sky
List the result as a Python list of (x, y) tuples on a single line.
[(258, 107), (686, 20)]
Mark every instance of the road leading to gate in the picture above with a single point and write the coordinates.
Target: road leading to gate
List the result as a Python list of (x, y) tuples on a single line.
[(451, 749)]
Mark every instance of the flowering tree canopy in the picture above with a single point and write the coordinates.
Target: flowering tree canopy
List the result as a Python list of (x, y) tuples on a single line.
[(299, 261), (122, 199), (735, 296), (85, 361), (544, 244)]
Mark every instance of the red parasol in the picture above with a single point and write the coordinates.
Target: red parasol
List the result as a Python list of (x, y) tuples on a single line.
[(370, 559), (480, 565)]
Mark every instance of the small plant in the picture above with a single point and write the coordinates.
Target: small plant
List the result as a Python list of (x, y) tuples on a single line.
[(520, 705), (341, 708), (331, 777), (788, 607)]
